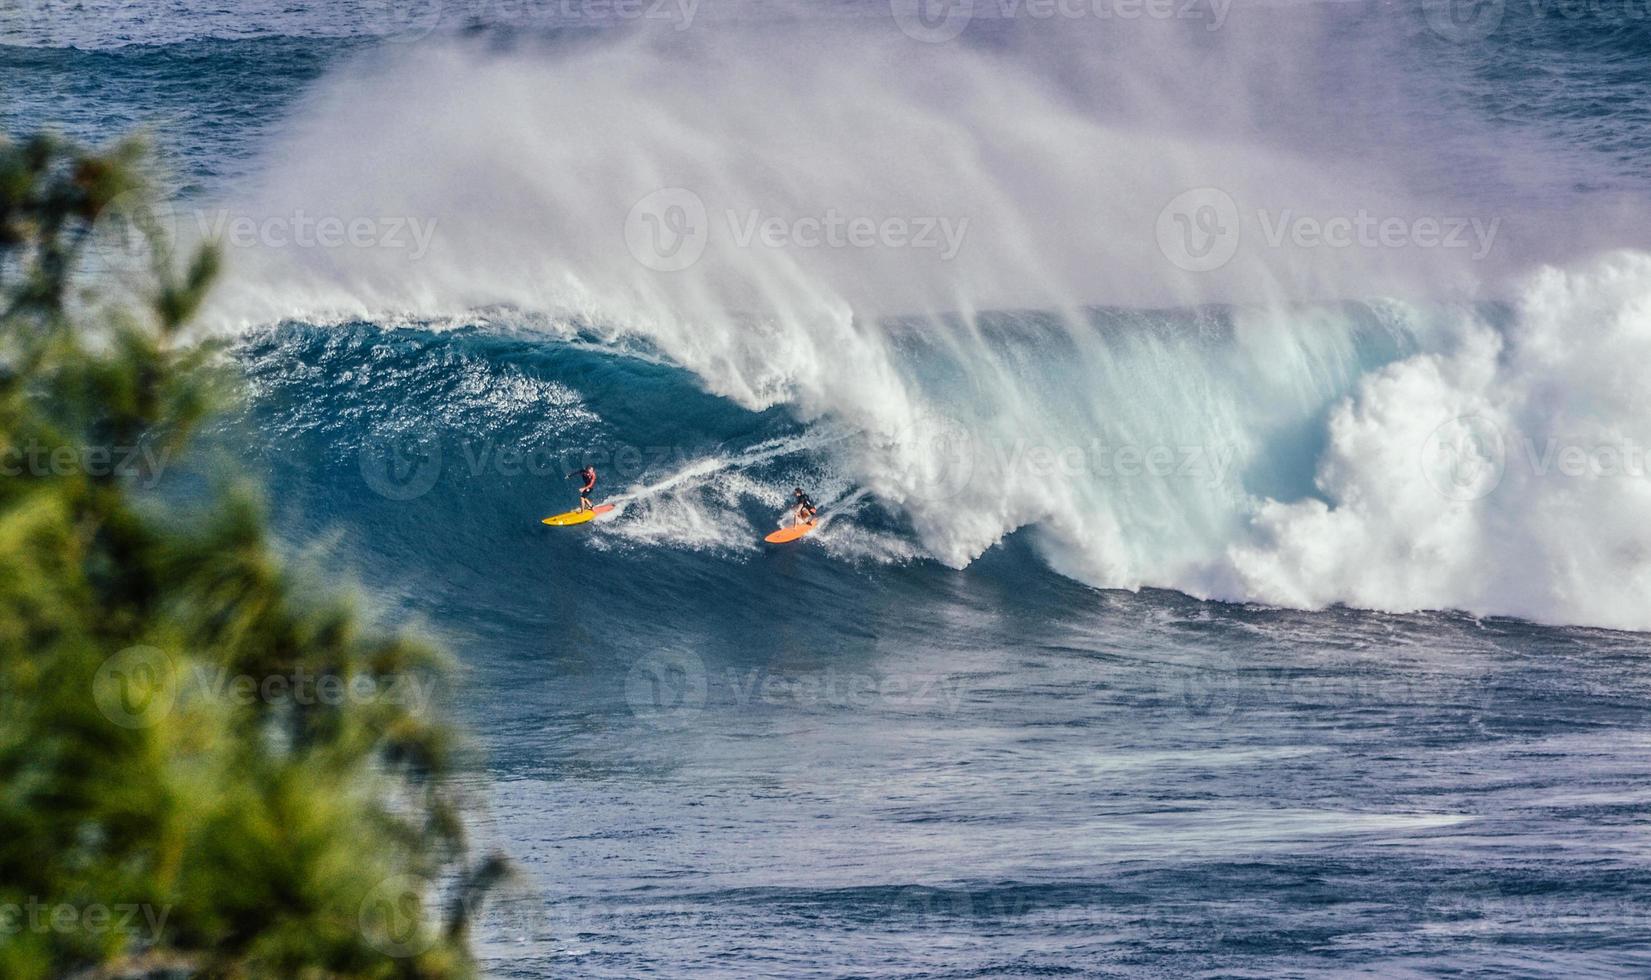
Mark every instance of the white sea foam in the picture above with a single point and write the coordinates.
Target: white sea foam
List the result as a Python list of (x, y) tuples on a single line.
[(1292, 456)]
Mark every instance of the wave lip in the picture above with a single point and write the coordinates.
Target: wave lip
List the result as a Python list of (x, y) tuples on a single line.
[(1493, 459), (1288, 418)]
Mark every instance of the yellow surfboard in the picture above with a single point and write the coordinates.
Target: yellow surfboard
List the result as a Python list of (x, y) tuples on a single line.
[(577, 516), (791, 533)]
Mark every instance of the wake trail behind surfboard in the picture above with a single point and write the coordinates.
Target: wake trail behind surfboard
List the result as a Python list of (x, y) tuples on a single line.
[(700, 471), (833, 509)]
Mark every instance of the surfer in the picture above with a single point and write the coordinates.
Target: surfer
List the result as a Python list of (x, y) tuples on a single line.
[(588, 474), (805, 507)]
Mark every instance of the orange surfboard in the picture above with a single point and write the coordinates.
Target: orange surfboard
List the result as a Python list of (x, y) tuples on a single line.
[(577, 516), (791, 533)]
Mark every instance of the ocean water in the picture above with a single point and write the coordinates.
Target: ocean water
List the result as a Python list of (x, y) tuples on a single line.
[(1276, 616)]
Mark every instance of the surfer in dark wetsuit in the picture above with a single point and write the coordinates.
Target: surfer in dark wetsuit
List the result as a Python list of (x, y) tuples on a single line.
[(805, 507), (589, 476)]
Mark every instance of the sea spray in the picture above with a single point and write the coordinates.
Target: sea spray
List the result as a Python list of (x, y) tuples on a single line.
[(579, 181)]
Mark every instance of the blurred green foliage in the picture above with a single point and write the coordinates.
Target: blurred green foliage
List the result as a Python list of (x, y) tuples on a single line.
[(156, 818)]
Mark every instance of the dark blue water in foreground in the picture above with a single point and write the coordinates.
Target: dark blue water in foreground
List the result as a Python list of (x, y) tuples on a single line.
[(711, 758), (777, 762)]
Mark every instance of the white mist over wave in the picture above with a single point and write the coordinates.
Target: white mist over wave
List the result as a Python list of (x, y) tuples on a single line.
[(1043, 172), (1279, 458)]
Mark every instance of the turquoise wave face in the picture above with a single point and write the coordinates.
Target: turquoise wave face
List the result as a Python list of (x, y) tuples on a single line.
[(1234, 451), (1196, 451), (957, 730), (771, 755), (454, 424)]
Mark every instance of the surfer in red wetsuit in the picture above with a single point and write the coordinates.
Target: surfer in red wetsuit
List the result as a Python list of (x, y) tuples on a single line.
[(589, 476)]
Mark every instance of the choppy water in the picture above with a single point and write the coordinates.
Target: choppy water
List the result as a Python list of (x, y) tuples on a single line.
[(976, 725), (824, 761)]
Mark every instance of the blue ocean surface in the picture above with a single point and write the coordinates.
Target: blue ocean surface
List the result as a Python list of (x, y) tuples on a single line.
[(785, 763), (1255, 624)]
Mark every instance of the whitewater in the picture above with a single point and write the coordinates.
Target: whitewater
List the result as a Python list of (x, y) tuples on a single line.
[(1376, 419), (1229, 421)]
